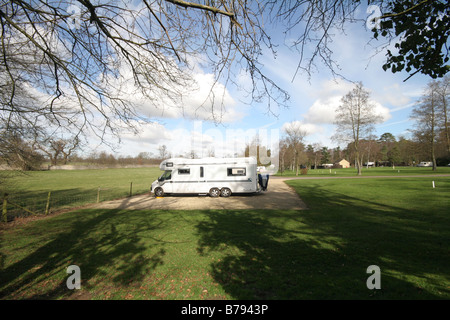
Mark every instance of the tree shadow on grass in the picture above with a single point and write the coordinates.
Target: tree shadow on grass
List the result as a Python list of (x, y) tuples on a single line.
[(103, 243), (324, 253)]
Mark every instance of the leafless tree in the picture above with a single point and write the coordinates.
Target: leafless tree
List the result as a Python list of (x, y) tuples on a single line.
[(283, 148), (18, 153), (294, 137), (211, 152), (443, 91), (312, 25), (369, 149), (426, 115), (80, 65), (85, 66), (163, 153), (58, 149), (355, 120)]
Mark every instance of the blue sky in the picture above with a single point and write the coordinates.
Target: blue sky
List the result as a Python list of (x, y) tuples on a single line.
[(312, 103)]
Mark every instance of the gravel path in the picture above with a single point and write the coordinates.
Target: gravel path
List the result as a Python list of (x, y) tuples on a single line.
[(278, 196)]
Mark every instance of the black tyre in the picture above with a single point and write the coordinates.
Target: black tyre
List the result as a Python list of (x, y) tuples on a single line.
[(159, 192), (214, 192), (225, 192)]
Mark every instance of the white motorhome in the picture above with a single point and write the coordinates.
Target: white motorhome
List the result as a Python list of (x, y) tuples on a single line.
[(213, 176), (425, 164)]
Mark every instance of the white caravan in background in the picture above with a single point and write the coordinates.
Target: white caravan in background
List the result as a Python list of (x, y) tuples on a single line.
[(425, 164), (213, 176)]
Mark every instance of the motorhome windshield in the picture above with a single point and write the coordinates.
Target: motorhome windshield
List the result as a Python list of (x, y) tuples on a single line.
[(166, 175)]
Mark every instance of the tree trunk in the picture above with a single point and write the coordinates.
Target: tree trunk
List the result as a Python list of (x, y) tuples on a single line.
[(357, 156), (358, 163), (447, 135), (433, 119)]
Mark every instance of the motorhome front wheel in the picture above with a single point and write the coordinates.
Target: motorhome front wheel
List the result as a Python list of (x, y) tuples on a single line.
[(159, 192)]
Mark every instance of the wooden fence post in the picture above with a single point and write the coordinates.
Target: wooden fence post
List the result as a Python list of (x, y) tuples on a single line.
[(98, 195), (48, 203), (5, 207), (131, 188)]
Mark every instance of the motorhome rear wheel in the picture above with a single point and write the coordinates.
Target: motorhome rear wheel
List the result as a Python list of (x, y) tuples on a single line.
[(225, 192)]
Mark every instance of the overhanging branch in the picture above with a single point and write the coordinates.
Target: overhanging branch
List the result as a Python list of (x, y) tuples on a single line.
[(203, 7)]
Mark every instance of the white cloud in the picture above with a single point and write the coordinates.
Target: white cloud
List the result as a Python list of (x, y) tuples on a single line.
[(151, 133), (379, 109), (201, 97), (323, 110), (392, 95), (330, 88), (309, 128), (330, 93), (198, 137)]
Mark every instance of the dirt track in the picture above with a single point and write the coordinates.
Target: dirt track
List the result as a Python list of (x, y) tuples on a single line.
[(278, 196)]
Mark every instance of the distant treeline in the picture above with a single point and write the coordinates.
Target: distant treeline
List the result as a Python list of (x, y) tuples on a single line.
[(107, 159)]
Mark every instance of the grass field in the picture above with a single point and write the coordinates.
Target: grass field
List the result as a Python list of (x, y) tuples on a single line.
[(78, 187), (377, 171), (400, 225), (71, 189)]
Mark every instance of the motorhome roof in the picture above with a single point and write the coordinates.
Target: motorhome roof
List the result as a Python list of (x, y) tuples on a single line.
[(183, 161)]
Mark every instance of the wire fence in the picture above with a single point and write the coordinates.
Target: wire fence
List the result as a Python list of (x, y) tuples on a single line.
[(25, 204)]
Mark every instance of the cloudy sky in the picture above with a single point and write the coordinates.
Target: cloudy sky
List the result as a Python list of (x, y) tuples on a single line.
[(312, 104)]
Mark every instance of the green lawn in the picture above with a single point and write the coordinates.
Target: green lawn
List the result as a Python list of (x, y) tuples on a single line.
[(401, 225), (377, 171), (78, 187), (71, 189)]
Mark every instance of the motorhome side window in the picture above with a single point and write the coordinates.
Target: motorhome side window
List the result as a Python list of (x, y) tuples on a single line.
[(236, 171), (184, 171)]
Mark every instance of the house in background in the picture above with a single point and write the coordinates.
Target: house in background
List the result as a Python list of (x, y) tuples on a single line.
[(342, 164)]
